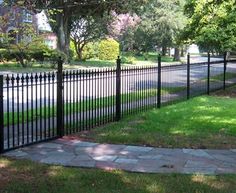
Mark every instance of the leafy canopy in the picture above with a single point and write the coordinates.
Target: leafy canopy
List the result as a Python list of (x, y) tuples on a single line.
[(211, 24)]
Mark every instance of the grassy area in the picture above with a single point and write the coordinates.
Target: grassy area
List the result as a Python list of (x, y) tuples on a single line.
[(26, 177), (220, 77), (203, 122), (86, 105), (13, 67), (92, 63)]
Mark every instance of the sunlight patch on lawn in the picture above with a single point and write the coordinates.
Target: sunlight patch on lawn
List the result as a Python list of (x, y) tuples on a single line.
[(210, 181), (54, 171), (4, 163)]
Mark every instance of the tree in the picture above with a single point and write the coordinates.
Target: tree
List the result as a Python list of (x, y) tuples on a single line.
[(62, 11), (162, 21), (122, 29), (28, 43), (211, 25), (87, 29)]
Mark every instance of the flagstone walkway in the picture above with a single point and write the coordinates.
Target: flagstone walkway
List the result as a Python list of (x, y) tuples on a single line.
[(77, 153)]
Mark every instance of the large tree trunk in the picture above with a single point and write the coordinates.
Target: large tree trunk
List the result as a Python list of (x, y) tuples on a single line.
[(177, 54), (164, 50), (63, 31), (182, 52), (80, 54)]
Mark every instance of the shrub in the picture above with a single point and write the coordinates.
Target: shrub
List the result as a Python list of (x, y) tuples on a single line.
[(4, 55), (108, 49), (128, 60), (91, 50)]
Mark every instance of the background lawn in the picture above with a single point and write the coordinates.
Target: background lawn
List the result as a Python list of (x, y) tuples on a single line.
[(13, 67), (203, 122), (26, 177)]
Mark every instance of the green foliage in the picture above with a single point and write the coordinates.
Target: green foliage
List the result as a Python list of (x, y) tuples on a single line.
[(211, 25), (109, 49), (54, 55), (90, 50), (162, 21), (128, 60)]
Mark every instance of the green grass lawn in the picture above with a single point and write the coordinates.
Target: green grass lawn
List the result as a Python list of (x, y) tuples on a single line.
[(203, 122), (220, 77), (13, 67), (26, 177)]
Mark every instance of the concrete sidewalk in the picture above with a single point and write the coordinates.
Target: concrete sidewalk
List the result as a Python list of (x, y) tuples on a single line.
[(75, 153)]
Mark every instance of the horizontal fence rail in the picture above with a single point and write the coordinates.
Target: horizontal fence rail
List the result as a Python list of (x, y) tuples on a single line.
[(44, 106)]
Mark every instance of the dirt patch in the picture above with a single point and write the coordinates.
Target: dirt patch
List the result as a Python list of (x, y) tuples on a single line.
[(229, 92)]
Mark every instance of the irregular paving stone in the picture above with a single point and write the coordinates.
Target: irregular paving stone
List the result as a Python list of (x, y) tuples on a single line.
[(198, 164), (226, 171), (199, 170), (86, 164), (126, 161), (106, 165), (105, 158), (130, 158), (166, 151), (125, 166), (16, 153), (138, 149), (83, 144), (58, 158), (197, 153), (150, 157), (224, 158), (106, 149), (83, 158), (49, 145)]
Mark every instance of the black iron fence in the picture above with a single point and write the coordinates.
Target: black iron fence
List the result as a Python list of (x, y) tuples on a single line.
[(42, 106)]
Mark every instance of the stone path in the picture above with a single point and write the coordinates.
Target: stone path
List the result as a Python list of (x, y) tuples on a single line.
[(77, 153)]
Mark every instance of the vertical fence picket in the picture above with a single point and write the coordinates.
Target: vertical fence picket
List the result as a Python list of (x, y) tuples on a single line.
[(188, 76), (60, 118), (8, 111), (1, 116), (159, 83), (225, 68), (208, 73), (118, 89)]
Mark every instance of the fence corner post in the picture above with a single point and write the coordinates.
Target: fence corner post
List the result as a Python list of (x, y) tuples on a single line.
[(225, 67), (208, 72), (159, 82), (1, 116), (188, 76), (118, 89), (60, 118)]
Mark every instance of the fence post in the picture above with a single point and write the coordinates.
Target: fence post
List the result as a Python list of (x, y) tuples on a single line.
[(208, 73), (60, 118), (225, 67), (159, 83), (1, 116), (118, 89), (188, 76)]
